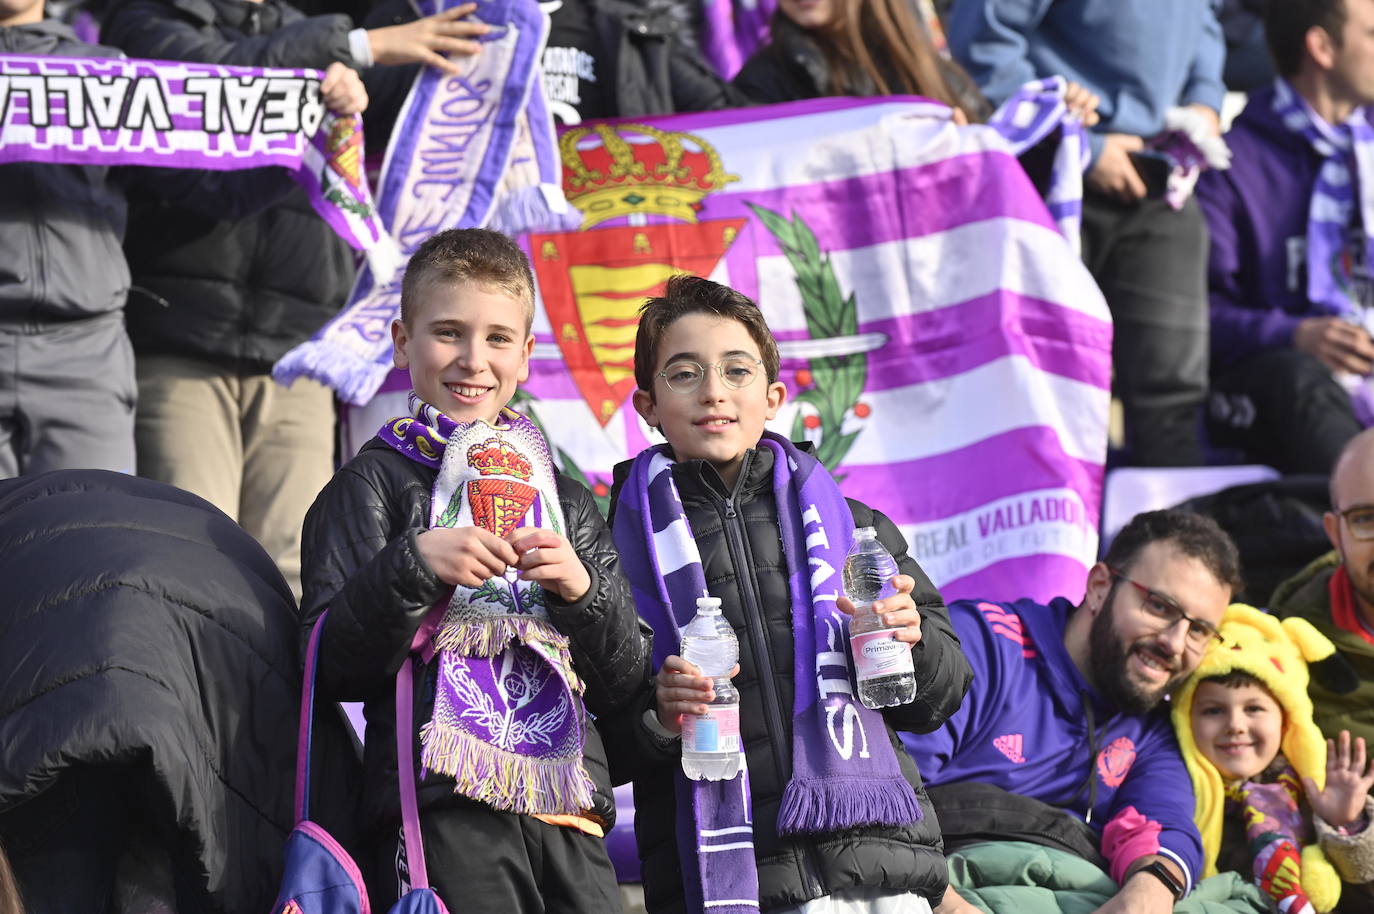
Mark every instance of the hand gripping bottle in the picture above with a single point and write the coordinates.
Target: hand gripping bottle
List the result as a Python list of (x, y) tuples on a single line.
[(710, 742), (882, 665)]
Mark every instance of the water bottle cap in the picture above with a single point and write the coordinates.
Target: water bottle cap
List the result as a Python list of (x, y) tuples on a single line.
[(711, 604), (865, 533)]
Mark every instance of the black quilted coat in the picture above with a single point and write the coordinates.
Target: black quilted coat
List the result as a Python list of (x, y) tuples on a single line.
[(147, 643), (360, 562)]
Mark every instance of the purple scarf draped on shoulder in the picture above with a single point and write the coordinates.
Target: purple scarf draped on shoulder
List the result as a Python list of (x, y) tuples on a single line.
[(844, 770)]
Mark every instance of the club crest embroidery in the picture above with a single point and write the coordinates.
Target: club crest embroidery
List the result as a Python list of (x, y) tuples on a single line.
[(1114, 762), (499, 505)]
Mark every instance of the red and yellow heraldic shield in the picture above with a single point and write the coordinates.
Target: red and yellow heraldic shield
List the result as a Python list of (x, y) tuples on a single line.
[(594, 280)]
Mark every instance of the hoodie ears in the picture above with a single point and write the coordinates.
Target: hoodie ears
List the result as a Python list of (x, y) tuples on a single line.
[(1327, 665)]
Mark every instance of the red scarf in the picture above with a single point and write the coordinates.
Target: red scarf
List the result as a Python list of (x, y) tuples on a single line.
[(1344, 612)]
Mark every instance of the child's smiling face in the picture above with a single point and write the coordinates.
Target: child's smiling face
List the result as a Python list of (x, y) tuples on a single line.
[(1238, 728), (715, 421)]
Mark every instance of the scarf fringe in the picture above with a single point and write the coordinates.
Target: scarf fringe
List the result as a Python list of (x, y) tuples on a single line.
[(536, 208), (489, 636), (505, 780), (354, 376), (836, 804)]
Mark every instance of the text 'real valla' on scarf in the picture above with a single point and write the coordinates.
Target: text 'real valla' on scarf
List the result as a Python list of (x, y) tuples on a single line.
[(508, 719), (469, 151), (87, 111), (842, 777)]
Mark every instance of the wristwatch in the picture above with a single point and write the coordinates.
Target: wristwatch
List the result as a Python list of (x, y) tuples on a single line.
[(1157, 869)]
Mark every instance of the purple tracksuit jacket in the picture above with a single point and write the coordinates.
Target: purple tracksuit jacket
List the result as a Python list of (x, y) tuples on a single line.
[(1031, 724), (1257, 215)]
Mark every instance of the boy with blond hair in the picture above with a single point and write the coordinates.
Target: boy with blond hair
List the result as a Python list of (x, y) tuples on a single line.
[(450, 535), (830, 814)]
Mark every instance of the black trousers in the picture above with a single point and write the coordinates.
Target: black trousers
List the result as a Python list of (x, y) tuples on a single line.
[(1283, 408), (1150, 261), (481, 861)]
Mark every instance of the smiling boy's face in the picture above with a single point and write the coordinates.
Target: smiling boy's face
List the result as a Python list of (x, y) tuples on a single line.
[(467, 348), (715, 422), (1238, 728)]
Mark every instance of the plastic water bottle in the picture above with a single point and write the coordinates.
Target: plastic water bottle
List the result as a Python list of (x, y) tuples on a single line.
[(883, 667), (710, 742)]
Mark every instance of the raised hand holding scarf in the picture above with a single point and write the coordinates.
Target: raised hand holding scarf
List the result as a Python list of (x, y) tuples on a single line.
[(507, 722), (836, 782)]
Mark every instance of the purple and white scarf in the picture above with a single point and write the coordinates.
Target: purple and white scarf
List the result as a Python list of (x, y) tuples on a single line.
[(1344, 182), (507, 723), (1035, 111), (467, 151), (844, 770), (99, 111)]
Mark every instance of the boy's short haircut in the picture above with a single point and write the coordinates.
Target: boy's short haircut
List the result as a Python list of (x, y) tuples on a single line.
[(1195, 535), (473, 255), (687, 294)]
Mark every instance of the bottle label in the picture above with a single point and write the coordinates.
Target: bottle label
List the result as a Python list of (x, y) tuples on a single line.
[(880, 654), (715, 731)]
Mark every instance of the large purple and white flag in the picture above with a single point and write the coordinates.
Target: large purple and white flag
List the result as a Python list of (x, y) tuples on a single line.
[(942, 344)]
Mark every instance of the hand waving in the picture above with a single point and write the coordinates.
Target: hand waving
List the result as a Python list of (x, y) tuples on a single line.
[(1348, 780)]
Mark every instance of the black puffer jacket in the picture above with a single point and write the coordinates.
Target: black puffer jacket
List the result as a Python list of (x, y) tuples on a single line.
[(144, 634), (359, 560), (741, 552), (241, 291)]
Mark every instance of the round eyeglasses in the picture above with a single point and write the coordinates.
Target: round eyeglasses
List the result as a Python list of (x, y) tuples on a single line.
[(685, 376)]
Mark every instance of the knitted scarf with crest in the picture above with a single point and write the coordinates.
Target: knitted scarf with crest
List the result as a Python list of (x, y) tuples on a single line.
[(507, 723)]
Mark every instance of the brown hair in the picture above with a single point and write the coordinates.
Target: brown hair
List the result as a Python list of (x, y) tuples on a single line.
[(871, 38), (1237, 679), (473, 255), (1195, 535), (1287, 22), (10, 902), (687, 294)]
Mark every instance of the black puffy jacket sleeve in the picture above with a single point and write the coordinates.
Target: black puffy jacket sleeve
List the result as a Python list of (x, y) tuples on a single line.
[(943, 673), (360, 561), (161, 30)]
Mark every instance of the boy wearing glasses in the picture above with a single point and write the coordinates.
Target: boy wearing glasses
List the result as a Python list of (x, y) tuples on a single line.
[(1336, 592), (828, 813), (1062, 740)]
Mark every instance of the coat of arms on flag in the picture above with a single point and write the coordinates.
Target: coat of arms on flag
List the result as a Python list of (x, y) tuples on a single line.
[(944, 349)]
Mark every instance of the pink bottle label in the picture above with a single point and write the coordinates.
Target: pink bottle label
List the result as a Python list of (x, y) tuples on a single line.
[(715, 731), (880, 654)]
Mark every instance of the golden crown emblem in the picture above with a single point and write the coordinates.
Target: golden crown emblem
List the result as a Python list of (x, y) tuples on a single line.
[(492, 458), (660, 172)]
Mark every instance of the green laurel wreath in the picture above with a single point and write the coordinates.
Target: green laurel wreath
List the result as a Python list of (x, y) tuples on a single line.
[(837, 381)]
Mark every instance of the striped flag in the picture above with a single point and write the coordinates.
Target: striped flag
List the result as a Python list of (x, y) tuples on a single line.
[(943, 346)]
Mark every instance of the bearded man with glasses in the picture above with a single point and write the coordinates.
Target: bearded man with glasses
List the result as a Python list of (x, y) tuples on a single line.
[(1062, 740), (1336, 592)]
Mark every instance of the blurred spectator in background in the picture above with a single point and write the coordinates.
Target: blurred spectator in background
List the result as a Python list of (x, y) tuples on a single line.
[(1288, 268), (217, 301), (855, 47), (1248, 65), (67, 389), (1141, 58)]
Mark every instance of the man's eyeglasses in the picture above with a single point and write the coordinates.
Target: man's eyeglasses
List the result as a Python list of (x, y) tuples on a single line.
[(1201, 633), (685, 376), (1360, 520)]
